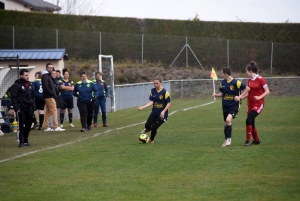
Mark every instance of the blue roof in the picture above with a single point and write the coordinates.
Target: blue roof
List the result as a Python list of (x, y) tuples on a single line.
[(34, 54)]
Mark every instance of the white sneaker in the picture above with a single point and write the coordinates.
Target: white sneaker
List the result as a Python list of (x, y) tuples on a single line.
[(144, 131), (228, 141), (72, 125), (224, 143), (59, 129), (48, 129), (1, 133), (61, 125)]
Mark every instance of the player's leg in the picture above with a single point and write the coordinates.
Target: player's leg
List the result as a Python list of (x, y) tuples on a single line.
[(90, 108), (228, 127), (70, 106), (252, 114), (83, 114), (103, 111), (151, 119), (157, 123)]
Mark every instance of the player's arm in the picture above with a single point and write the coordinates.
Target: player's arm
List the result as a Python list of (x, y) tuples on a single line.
[(162, 114), (243, 95), (220, 94), (144, 106), (267, 91)]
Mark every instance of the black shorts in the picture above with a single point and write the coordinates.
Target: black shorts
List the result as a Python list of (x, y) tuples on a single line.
[(40, 102), (232, 111), (69, 103)]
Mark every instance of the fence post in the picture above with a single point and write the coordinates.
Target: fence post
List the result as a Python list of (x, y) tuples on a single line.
[(181, 89), (187, 51), (56, 38), (271, 58), (142, 49), (227, 53), (100, 43), (13, 37)]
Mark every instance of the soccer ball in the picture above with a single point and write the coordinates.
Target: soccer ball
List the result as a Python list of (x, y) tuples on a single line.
[(144, 138)]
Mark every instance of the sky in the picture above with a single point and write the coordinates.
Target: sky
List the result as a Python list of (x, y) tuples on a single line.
[(266, 11)]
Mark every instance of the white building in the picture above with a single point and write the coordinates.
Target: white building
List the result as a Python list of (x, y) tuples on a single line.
[(28, 6)]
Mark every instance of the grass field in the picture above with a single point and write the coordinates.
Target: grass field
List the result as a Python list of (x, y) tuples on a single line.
[(186, 162)]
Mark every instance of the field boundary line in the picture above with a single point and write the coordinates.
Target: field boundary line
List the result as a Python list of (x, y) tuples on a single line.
[(85, 138), (198, 106)]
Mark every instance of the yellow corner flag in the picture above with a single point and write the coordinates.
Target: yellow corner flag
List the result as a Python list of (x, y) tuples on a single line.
[(213, 74)]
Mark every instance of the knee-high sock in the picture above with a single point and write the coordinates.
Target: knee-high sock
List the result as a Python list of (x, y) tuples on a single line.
[(41, 120), (228, 131), (70, 117), (255, 134), (62, 117), (248, 132)]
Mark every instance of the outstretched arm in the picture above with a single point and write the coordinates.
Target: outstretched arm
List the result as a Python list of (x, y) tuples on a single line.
[(144, 106)]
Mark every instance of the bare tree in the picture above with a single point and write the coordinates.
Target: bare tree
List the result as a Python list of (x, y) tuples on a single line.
[(78, 7)]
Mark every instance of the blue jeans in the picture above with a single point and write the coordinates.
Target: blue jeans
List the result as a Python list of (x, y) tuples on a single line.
[(102, 103)]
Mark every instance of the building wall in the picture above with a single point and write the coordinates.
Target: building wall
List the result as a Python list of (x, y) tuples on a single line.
[(39, 65), (13, 5)]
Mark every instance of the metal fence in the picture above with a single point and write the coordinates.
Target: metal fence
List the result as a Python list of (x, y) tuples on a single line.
[(144, 49)]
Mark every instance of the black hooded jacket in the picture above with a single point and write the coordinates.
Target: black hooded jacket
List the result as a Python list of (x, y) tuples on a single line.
[(22, 97), (49, 90)]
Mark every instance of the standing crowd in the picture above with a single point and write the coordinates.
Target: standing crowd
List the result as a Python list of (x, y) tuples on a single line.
[(50, 92)]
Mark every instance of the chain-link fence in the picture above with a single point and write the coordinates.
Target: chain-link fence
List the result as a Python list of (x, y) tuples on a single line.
[(276, 58)]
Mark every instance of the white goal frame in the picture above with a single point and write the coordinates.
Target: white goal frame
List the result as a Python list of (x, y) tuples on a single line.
[(112, 82)]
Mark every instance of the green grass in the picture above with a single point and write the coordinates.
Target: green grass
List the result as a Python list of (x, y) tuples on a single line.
[(185, 163)]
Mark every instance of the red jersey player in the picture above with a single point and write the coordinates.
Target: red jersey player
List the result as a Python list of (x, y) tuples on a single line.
[(258, 90)]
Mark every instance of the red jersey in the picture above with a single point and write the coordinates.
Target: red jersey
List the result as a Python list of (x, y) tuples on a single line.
[(256, 85)]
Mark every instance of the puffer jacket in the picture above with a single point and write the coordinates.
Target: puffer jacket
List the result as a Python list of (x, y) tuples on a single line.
[(48, 86), (22, 97)]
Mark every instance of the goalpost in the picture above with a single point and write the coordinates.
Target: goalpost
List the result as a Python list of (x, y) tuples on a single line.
[(106, 66)]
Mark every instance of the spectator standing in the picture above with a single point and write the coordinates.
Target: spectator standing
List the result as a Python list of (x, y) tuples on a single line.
[(258, 90), (39, 99), (229, 89), (160, 101), (5, 104), (49, 93), (101, 99), (58, 76), (86, 91), (67, 87), (22, 98)]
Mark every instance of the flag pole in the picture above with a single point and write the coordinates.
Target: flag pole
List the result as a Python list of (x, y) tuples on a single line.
[(214, 88)]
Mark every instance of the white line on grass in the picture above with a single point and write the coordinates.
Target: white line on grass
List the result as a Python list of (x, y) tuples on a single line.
[(79, 140), (198, 106)]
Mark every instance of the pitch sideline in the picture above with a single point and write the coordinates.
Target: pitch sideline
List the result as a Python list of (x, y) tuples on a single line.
[(95, 135)]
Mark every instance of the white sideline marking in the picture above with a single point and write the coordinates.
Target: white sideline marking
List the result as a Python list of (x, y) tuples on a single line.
[(198, 106), (86, 138)]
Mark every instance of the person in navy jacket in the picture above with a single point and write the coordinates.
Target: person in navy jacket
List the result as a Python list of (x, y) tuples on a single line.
[(86, 91), (100, 99)]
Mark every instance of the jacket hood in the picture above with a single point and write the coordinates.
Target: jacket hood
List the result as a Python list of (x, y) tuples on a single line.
[(45, 72)]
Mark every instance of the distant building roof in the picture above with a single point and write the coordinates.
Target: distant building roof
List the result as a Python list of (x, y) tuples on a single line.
[(39, 5), (34, 54)]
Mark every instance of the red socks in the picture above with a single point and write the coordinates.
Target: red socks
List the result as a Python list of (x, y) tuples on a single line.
[(254, 134), (249, 132)]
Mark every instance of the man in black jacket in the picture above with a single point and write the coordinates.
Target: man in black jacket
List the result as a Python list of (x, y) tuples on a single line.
[(50, 96), (22, 98)]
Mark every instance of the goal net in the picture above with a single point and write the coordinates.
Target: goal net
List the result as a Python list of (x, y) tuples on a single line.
[(106, 66)]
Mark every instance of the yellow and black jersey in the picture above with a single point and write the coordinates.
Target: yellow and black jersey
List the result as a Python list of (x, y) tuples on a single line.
[(230, 89), (160, 100)]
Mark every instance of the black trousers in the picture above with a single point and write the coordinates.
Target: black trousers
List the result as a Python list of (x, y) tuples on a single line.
[(153, 123), (86, 113), (24, 125)]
